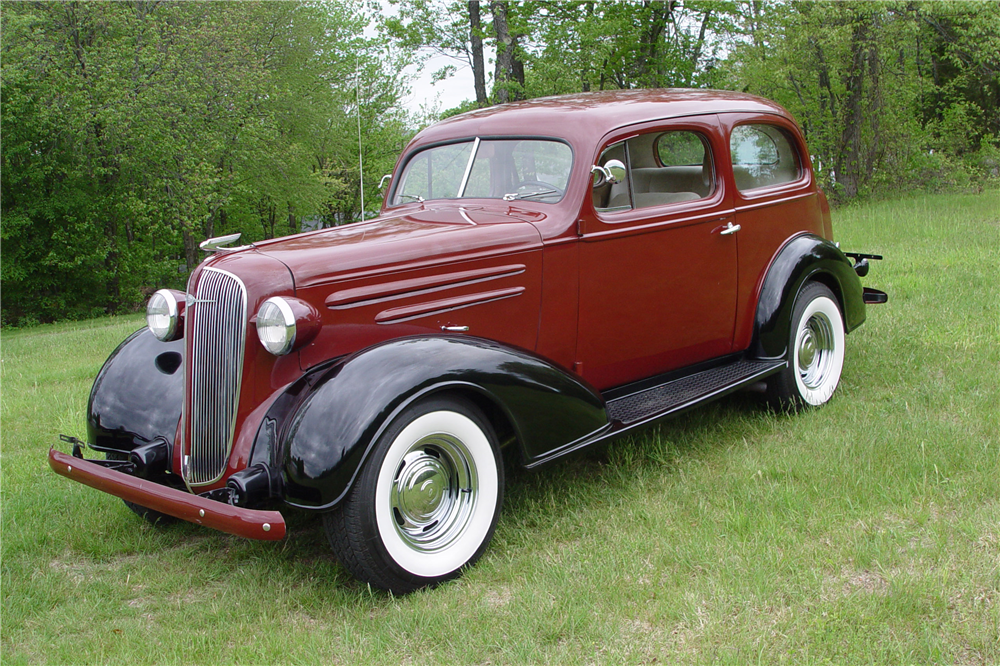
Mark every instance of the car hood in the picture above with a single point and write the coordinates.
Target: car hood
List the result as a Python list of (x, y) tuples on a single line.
[(395, 242)]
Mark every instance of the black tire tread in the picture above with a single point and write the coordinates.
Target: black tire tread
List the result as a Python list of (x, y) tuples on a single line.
[(149, 515), (342, 525)]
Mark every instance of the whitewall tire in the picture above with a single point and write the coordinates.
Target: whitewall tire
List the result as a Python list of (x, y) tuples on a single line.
[(815, 351), (427, 500)]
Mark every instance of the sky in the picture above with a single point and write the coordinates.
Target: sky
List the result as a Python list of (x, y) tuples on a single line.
[(426, 97), (442, 95)]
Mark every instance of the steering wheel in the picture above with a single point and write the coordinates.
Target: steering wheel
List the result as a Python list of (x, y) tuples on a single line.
[(540, 184)]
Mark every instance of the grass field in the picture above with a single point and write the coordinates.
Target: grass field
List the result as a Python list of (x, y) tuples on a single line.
[(865, 532)]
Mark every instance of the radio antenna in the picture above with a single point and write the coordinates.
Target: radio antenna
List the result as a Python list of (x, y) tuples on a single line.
[(361, 163)]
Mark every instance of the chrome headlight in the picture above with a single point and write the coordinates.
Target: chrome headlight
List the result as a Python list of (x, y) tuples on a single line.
[(285, 323), (163, 314), (276, 326)]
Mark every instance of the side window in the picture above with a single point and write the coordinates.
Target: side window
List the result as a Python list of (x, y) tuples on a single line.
[(608, 197), (763, 155), (680, 149), (663, 168), (670, 167)]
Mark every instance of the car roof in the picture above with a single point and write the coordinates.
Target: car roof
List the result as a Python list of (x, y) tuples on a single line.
[(589, 116)]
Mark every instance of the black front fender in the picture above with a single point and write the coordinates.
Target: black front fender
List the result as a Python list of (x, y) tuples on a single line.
[(334, 428), (805, 257), (137, 395)]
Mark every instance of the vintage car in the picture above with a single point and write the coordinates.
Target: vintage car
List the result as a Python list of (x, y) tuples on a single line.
[(544, 276)]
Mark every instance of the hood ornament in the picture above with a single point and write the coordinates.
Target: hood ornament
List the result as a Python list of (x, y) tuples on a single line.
[(219, 242)]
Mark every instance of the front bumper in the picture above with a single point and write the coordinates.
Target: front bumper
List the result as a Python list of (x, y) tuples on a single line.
[(249, 523)]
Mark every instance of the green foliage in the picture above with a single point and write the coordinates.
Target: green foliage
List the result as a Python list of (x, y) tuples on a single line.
[(892, 96), (585, 45), (134, 130)]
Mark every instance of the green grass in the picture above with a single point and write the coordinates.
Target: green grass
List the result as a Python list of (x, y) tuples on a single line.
[(866, 532)]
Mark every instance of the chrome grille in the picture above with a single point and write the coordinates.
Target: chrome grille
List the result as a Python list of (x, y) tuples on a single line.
[(217, 329)]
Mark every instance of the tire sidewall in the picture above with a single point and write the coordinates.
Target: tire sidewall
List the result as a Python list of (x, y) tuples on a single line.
[(459, 418), (812, 300)]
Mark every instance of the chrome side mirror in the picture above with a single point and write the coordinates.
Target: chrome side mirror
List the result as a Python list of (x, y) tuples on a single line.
[(617, 170), (386, 177), (612, 172)]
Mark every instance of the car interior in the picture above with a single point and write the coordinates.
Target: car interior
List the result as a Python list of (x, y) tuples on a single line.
[(663, 168)]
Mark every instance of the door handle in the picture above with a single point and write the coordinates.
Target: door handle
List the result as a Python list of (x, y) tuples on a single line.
[(730, 229)]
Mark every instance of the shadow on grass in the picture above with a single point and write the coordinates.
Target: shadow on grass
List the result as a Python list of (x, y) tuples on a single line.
[(656, 450)]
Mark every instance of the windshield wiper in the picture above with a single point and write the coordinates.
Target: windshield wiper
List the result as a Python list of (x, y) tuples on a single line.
[(412, 197), (529, 195)]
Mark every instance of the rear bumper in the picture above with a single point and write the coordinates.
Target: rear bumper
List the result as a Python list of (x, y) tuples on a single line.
[(874, 296), (249, 523)]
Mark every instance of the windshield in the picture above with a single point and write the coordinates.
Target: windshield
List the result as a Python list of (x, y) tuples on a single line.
[(509, 169)]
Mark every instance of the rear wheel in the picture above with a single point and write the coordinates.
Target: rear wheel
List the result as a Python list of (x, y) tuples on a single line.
[(426, 502), (815, 351)]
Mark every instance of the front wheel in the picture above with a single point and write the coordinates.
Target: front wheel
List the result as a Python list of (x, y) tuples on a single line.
[(149, 515), (815, 351), (426, 502)]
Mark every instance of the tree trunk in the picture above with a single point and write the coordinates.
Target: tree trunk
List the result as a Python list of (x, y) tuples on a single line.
[(848, 164), (873, 101), (190, 249), (478, 64), (509, 74), (699, 46), (648, 70)]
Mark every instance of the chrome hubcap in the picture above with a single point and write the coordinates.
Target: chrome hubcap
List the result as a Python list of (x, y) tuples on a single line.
[(815, 350), (433, 493)]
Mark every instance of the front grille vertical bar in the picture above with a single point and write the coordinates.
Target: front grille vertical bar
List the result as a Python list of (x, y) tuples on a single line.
[(218, 338)]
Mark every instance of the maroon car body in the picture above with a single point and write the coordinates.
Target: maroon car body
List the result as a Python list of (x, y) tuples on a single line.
[(543, 276)]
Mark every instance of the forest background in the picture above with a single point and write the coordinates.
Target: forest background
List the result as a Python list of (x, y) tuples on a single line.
[(133, 130)]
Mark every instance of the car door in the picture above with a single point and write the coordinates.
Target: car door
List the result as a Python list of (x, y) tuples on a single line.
[(774, 196), (658, 255)]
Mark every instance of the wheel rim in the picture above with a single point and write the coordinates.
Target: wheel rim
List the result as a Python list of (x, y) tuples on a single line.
[(815, 350), (433, 493)]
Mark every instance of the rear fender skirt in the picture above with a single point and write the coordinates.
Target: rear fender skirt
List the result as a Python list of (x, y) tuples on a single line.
[(331, 432), (137, 395), (805, 257)]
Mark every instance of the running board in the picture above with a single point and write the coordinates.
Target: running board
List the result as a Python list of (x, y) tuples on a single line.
[(636, 409), (670, 397)]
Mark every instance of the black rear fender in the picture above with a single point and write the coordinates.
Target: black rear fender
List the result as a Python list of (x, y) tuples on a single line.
[(804, 258)]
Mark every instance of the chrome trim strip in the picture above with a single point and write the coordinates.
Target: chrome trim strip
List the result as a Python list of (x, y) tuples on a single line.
[(406, 313), (386, 291), (468, 168)]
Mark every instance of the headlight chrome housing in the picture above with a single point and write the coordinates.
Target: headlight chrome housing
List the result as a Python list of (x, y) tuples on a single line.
[(276, 326), (164, 314)]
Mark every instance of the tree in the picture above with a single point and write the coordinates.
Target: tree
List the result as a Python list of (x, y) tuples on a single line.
[(445, 27), (134, 130), (890, 94), (508, 77)]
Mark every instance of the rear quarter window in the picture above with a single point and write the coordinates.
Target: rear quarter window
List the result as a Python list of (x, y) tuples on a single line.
[(763, 156)]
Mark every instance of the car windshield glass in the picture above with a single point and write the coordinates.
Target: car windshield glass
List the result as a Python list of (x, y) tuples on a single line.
[(509, 169)]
